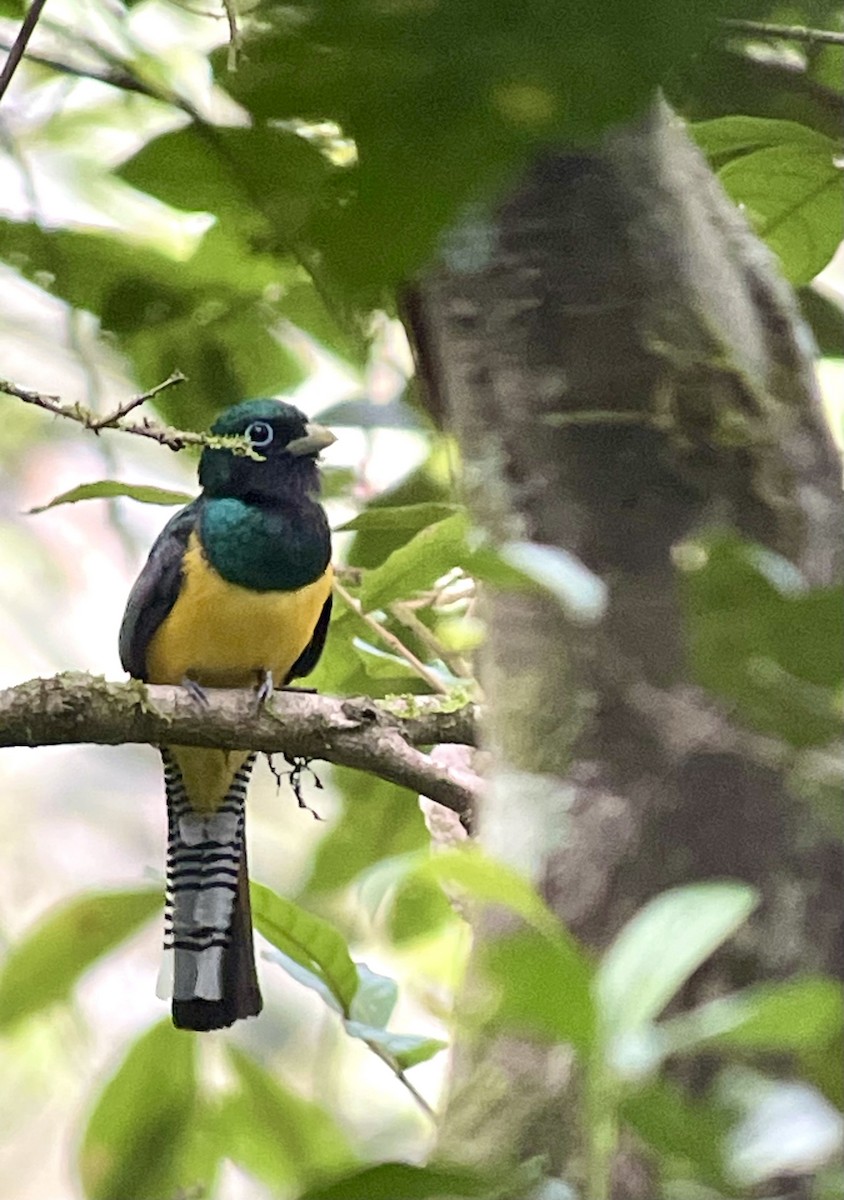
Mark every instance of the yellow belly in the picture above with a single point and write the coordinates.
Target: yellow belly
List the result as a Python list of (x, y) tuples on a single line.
[(222, 635)]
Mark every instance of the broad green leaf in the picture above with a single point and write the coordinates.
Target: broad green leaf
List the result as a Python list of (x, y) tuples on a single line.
[(375, 998), (491, 882), (225, 170), (796, 1015), (685, 1132), (109, 489), (418, 564), (44, 966), (581, 593), (792, 196), (344, 671), (758, 636), (215, 314), (405, 1049), (309, 941), (379, 821), (404, 518), (401, 1181), (380, 664), (662, 946), (276, 1135), (144, 1137), (437, 128), (540, 987), (417, 909), (824, 315), (741, 134), (393, 892)]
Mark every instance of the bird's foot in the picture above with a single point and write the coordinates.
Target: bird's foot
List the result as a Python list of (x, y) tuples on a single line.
[(298, 765), (197, 693), (264, 690)]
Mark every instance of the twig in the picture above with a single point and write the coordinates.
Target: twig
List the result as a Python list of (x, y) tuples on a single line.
[(404, 613), (112, 77), (789, 33), (381, 1053), (361, 733), (175, 439), (16, 53), (234, 35), (126, 407), (396, 644)]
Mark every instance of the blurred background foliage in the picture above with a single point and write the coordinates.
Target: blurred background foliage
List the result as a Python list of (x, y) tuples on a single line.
[(242, 206)]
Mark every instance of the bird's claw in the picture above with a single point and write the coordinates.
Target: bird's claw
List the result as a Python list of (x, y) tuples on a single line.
[(197, 693)]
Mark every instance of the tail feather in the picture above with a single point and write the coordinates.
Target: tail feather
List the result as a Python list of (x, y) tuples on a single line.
[(209, 961)]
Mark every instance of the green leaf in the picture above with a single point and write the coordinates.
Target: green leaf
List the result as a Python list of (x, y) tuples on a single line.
[(418, 564), (380, 664), (379, 821), (46, 964), (215, 315), (662, 946), (802, 1014), (381, 529), (225, 170), (109, 489), (541, 987), (741, 134), (405, 1049), (417, 909), (144, 1137), (310, 942), (688, 1134), (374, 999), (436, 128), (281, 1138), (758, 636), (389, 1181), (580, 593), (491, 882), (403, 518), (792, 196)]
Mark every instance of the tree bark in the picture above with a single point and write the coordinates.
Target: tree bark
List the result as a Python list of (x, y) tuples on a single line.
[(624, 369)]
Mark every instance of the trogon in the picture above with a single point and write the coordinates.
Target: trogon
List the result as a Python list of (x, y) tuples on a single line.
[(236, 592)]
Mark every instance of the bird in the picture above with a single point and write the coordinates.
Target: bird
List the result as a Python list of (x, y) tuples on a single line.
[(236, 592)]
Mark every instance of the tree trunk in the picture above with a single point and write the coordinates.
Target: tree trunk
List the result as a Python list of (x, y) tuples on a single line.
[(624, 369)]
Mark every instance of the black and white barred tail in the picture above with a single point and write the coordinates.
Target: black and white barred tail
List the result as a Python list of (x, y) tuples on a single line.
[(209, 960)]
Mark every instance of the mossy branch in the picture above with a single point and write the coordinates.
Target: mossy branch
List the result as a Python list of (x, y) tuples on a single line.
[(356, 732)]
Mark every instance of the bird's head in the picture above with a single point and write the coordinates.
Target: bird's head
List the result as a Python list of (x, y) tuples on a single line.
[(286, 440)]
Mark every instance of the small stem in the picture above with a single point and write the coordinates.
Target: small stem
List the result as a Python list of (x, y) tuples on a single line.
[(175, 439), (405, 614), (16, 53), (390, 639), (234, 35), (403, 1079), (128, 405), (789, 33), (601, 1126)]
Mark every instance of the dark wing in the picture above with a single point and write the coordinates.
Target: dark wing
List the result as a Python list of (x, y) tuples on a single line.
[(155, 590), (309, 657)]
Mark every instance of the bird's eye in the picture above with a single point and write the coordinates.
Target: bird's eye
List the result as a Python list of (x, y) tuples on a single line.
[(260, 433)]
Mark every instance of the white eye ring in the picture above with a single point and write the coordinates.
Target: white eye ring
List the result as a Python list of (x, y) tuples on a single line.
[(260, 433)]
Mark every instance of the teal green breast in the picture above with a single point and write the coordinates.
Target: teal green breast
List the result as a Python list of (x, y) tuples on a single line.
[(265, 549)]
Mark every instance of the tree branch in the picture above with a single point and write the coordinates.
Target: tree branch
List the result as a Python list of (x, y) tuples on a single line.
[(175, 439), (375, 736)]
